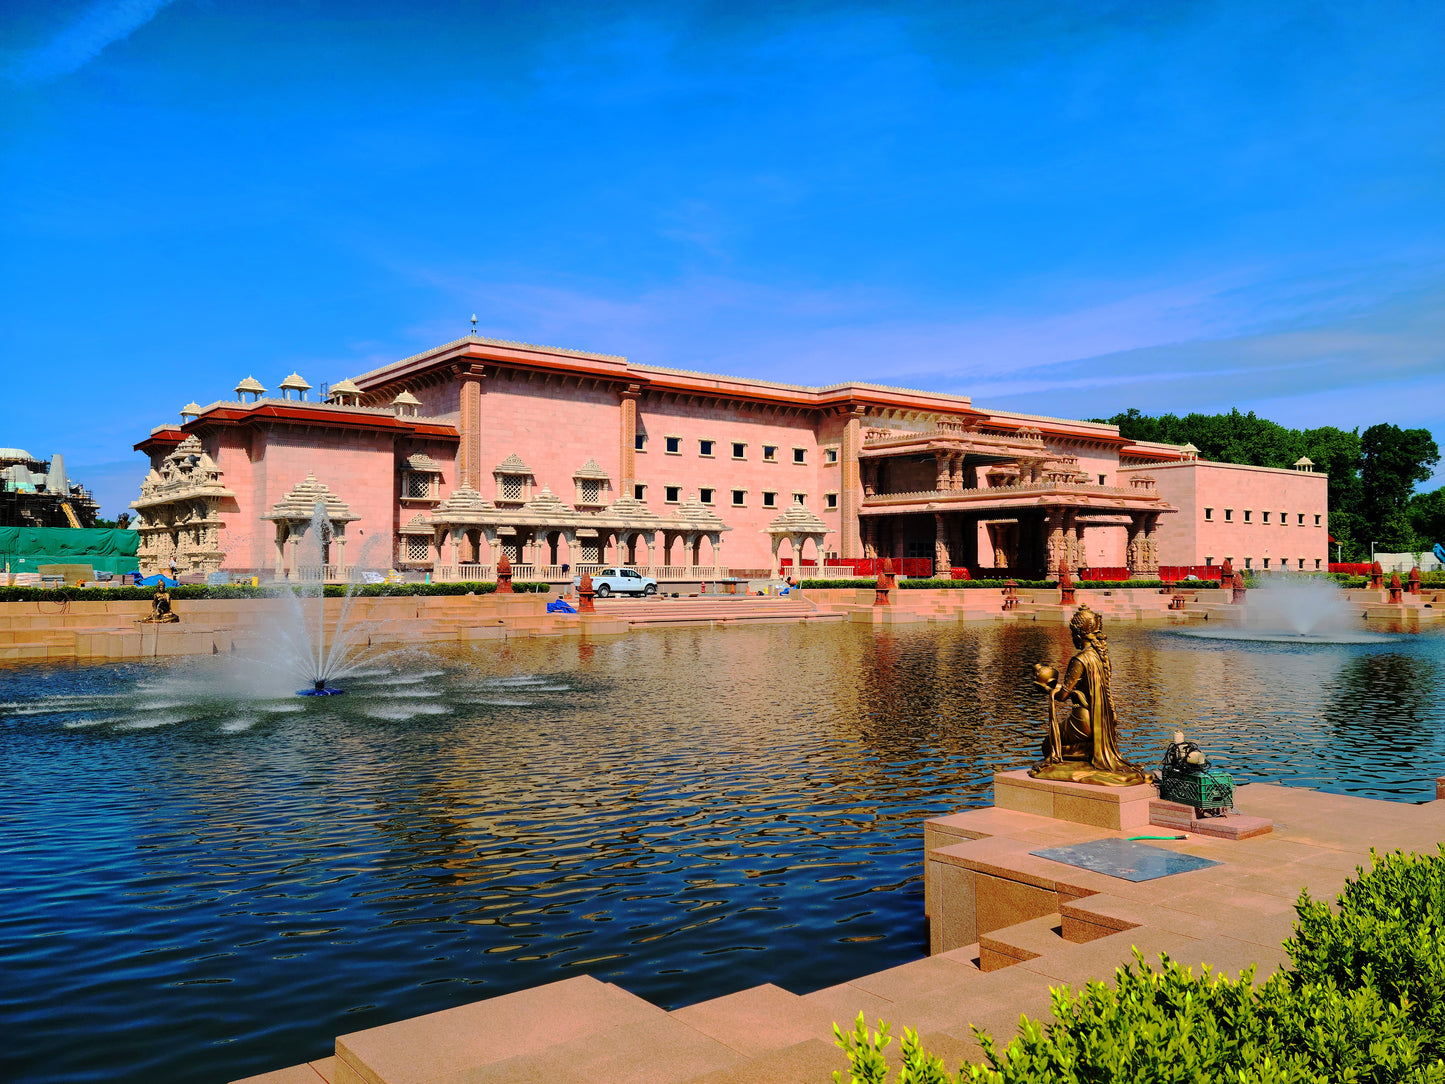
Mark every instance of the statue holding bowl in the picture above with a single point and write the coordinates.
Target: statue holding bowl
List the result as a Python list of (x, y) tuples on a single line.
[(1081, 743)]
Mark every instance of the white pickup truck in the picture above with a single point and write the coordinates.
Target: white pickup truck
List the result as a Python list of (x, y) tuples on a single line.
[(620, 581)]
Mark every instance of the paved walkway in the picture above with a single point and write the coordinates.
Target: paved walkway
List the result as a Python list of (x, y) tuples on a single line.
[(1231, 915)]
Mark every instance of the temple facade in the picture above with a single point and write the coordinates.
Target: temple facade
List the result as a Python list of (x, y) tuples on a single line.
[(445, 460)]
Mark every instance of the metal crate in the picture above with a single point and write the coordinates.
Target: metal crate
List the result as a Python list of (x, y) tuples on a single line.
[(1208, 791)]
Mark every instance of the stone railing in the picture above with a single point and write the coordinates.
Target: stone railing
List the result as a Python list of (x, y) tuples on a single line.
[(522, 571), (1018, 444), (996, 492)]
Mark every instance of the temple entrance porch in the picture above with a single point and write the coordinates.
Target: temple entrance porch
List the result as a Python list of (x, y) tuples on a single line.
[(1029, 543)]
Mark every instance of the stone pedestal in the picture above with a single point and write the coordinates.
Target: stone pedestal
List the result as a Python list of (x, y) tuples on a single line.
[(1081, 803)]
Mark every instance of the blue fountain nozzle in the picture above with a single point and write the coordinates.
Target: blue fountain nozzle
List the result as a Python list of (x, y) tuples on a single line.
[(319, 689)]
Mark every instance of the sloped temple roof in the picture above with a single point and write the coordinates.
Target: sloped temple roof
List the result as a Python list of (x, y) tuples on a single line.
[(301, 502)]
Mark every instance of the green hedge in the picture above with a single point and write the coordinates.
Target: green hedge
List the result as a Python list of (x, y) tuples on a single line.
[(201, 591), (1361, 1003), (963, 585)]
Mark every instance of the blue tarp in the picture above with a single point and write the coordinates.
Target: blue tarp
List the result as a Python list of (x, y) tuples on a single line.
[(159, 577), (558, 606)]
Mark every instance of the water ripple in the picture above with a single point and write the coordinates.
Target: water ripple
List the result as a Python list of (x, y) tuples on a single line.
[(204, 882)]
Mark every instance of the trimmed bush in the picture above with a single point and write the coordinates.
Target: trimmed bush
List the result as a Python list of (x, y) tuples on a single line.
[(203, 591), (1361, 1004)]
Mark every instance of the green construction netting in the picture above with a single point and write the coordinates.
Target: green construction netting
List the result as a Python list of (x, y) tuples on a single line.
[(24, 549)]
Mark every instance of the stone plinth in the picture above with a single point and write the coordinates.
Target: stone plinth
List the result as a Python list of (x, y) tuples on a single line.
[(1181, 818), (1080, 803)]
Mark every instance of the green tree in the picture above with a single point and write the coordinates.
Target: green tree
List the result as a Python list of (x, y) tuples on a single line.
[(1392, 461), (1427, 517)]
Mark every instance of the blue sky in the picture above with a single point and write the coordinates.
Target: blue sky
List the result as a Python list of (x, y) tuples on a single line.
[(1061, 208)]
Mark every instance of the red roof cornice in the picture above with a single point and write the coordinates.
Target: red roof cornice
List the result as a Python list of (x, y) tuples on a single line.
[(477, 357), (316, 415)]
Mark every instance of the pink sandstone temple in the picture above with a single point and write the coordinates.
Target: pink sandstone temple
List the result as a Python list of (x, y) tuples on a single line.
[(445, 460)]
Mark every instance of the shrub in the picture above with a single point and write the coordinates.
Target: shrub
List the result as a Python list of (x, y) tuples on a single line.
[(228, 591), (1361, 1004)]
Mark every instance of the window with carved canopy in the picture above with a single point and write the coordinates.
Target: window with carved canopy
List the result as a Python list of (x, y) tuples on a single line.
[(418, 548)]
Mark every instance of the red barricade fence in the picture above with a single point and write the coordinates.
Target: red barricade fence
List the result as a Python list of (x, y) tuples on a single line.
[(917, 567), (1351, 568)]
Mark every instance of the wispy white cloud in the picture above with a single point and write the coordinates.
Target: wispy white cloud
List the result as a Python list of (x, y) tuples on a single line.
[(80, 41)]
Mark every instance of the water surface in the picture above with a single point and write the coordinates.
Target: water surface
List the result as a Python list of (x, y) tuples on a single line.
[(198, 884)]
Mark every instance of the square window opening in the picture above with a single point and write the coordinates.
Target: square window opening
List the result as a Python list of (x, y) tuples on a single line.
[(674, 445), (670, 493), (740, 497), (705, 447), (770, 453), (770, 500), (740, 450), (800, 455), (705, 495)]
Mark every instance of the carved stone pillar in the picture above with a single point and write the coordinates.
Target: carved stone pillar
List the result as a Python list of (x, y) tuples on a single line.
[(469, 424), (868, 530), (1080, 558), (1149, 550), (627, 459), (868, 471), (942, 559), (1054, 556), (1133, 549), (943, 466), (850, 486), (955, 472)]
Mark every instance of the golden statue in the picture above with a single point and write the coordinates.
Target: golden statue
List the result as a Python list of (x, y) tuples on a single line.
[(1083, 746)]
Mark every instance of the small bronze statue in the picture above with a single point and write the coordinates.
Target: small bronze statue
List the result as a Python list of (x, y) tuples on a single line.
[(161, 612), (1083, 747)]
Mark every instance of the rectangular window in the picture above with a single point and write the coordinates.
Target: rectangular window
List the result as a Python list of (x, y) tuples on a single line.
[(1266, 562), (1301, 519), (770, 500), (511, 488), (1317, 520), (800, 455), (740, 497), (770, 453), (639, 491), (830, 455), (1317, 562), (674, 445), (418, 548), (638, 440), (830, 501), (740, 450), (1209, 513), (1302, 564), (418, 486), (1209, 560), (705, 495), (705, 447), (1247, 514), (1103, 479), (1247, 560), (591, 490), (670, 493), (1229, 515), (800, 498), (1284, 519), (1264, 514)]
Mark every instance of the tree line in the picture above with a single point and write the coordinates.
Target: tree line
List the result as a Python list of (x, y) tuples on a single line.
[(1372, 475)]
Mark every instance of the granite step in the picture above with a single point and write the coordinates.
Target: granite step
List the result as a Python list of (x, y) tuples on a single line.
[(484, 1040), (758, 1020)]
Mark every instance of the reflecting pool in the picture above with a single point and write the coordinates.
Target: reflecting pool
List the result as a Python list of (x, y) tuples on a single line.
[(198, 884)]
